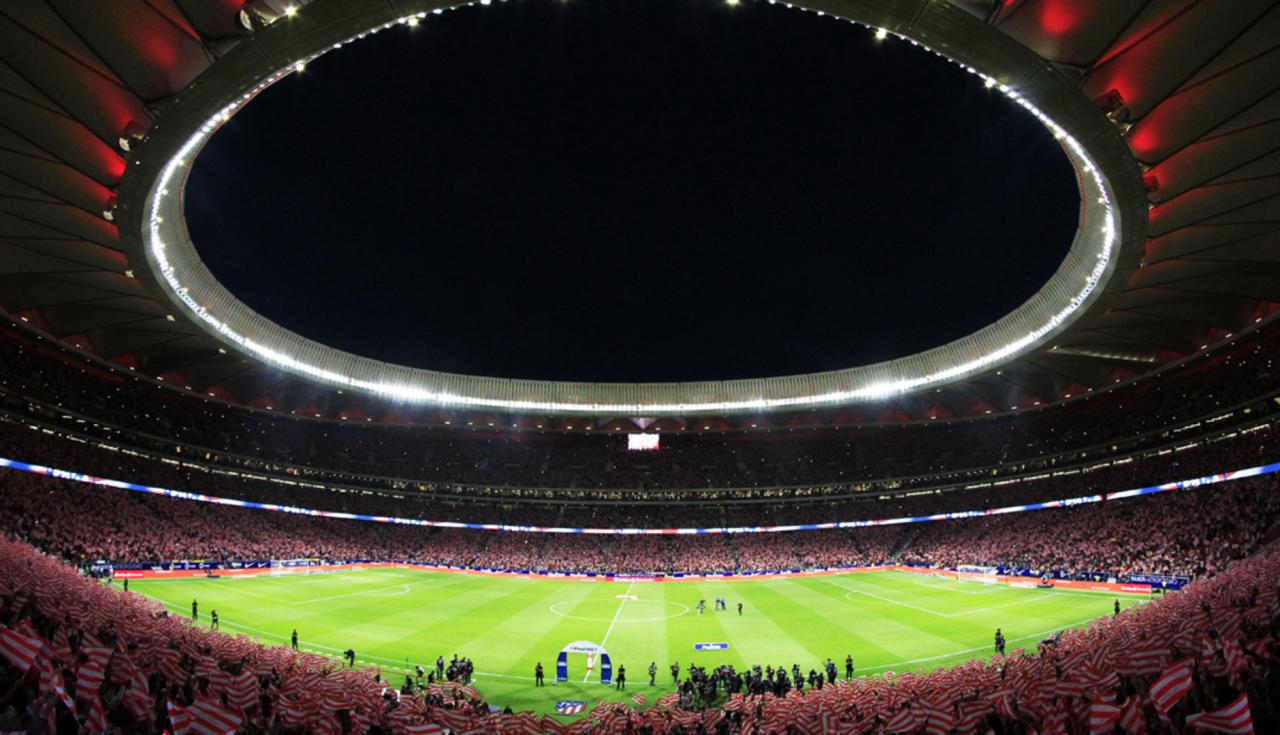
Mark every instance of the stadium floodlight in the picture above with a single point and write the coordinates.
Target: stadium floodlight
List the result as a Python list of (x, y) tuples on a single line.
[(881, 34), (131, 135)]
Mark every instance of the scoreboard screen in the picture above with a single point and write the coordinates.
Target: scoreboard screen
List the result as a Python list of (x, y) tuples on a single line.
[(643, 442)]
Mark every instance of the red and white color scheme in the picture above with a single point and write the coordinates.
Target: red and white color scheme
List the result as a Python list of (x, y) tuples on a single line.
[(1234, 719)]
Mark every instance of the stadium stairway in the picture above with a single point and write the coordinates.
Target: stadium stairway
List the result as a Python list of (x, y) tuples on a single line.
[(903, 542)]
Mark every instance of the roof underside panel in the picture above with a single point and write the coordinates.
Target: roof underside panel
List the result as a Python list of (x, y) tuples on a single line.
[(1199, 83)]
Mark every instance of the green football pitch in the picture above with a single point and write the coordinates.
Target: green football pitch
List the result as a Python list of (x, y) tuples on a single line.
[(395, 618)]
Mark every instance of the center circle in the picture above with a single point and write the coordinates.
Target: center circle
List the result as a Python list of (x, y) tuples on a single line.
[(639, 610), (669, 191)]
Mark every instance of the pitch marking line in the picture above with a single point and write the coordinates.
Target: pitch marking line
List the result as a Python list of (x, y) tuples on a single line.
[(891, 602), (944, 584), (404, 589), (607, 633), (962, 613), (683, 610), (322, 650), (396, 663), (975, 650), (258, 595), (1005, 604)]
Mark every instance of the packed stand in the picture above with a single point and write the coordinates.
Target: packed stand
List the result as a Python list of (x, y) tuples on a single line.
[(643, 510), (77, 655), (119, 406), (1187, 533)]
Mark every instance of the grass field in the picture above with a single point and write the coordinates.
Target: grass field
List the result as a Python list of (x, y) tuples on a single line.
[(395, 618)]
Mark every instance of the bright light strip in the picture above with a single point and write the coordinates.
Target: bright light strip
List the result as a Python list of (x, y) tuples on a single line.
[(879, 389), (1047, 505)]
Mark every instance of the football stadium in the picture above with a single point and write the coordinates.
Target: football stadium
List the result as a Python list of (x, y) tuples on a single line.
[(702, 367)]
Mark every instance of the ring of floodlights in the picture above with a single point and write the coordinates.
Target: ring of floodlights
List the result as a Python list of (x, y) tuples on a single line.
[(158, 229)]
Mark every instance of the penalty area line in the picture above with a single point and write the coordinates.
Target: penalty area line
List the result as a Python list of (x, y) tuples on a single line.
[(890, 601), (320, 649), (979, 648)]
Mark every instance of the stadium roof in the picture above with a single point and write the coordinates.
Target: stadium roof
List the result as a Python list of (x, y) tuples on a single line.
[(1174, 103)]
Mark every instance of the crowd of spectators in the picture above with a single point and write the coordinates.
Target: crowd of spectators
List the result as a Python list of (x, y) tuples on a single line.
[(78, 656), (156, 669), (1240, 450), (1184, 533), (120, 407)]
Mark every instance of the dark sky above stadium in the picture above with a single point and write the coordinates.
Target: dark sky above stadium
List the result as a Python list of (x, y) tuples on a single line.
[(659, 190)]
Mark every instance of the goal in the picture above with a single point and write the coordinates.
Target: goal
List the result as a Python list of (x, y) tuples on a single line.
[(983, 575), (282, 567)]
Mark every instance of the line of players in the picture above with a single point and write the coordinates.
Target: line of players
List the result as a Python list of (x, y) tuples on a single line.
[(720, 604), (725, 678)]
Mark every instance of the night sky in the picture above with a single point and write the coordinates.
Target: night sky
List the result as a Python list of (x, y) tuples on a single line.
[(659, 190)]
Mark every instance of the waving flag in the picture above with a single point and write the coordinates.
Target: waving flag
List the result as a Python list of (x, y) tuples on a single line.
[(638, 699), (904, 721), (96, 718), (51, 680), (21, 650), (179, 719), (1234, 655), (1172, 686), (566, 707), (1102, 718), (208, 718), (89, 680), (1234, 719), (1131, 719)]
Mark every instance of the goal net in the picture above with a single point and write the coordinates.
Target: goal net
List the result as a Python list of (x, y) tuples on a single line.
[(981, 575), (281, 567)]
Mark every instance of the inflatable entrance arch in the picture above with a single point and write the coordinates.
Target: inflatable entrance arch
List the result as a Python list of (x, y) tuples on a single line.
[(593, 652)]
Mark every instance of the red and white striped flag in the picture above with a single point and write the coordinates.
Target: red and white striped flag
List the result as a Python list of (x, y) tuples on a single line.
[(1172, 686), (179, 720), (51, 679), (89, 680), (243, 691), (20, 649), (208, 718), (1131, 719), (95, 720), (904, 721), (1234, 719), (1147, 659), (638, 699), (1234, 656), (1055, 723), (1102, 718)]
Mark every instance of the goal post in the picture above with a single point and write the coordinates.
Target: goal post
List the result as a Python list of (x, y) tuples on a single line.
[(981, 575), (281, 567)]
